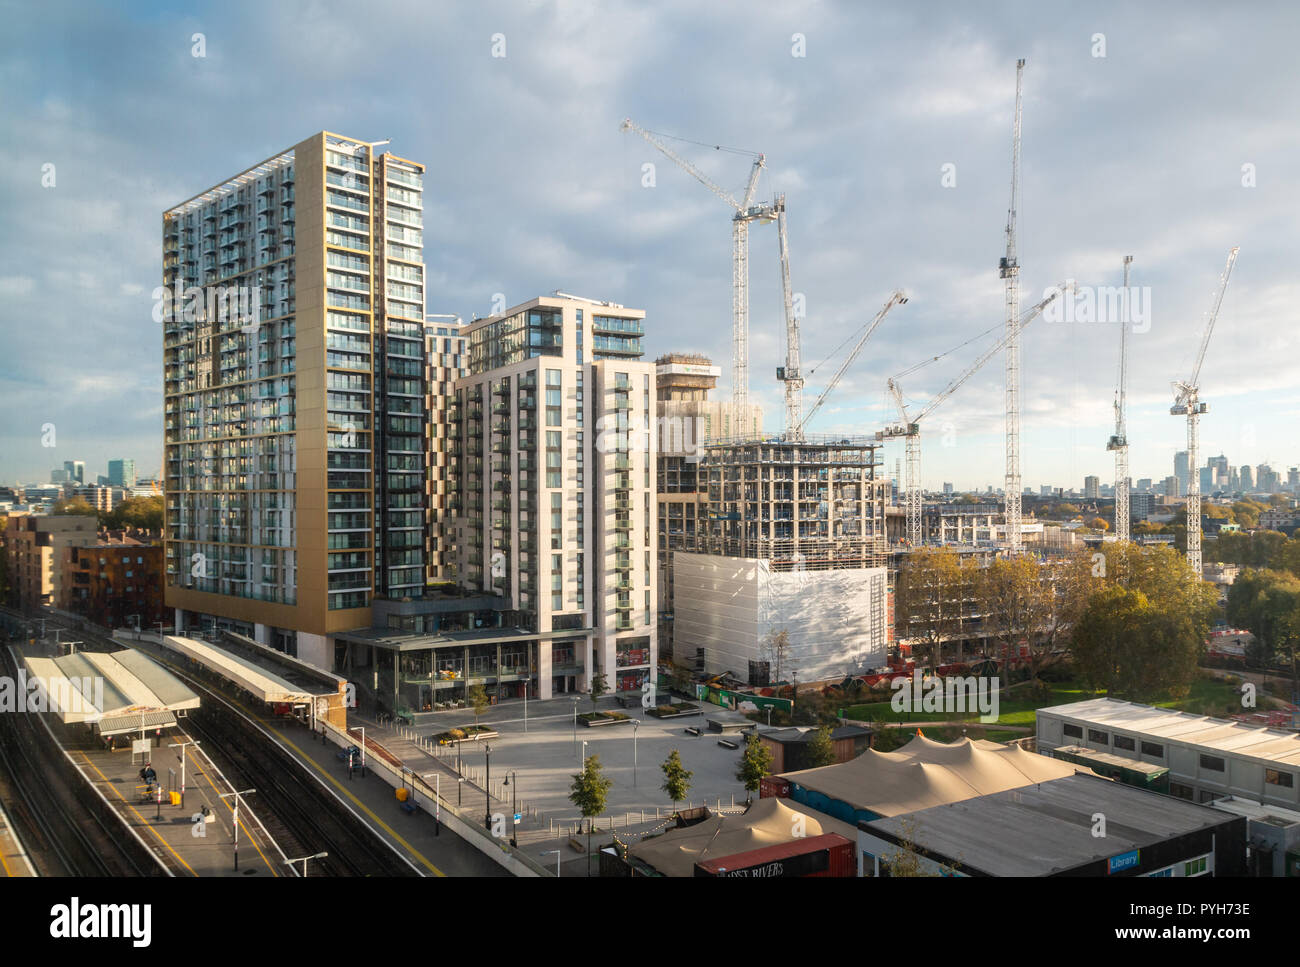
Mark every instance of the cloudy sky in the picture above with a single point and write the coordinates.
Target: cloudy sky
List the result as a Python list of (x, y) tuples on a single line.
[(1177, 144)]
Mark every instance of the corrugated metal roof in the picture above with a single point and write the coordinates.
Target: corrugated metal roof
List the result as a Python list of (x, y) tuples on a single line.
[(1222, 735), (123, 724)]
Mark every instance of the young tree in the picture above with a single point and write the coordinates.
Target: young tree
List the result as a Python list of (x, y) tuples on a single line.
[(677, 778), (778, 652), (478, 700), (755, 763), (1268, 604), (821, 750), (590, 792), (599, 686)]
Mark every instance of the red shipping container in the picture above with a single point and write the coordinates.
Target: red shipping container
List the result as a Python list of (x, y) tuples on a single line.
[(829, 855)]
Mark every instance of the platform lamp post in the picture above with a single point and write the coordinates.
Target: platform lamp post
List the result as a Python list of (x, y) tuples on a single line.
[(242, 792), (487, 787), (575, 723), (181, 746), (303, 860), (636, 724), (460, 784)]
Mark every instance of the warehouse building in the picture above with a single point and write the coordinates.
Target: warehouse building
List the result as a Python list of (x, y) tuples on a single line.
[(1207, 758), (1055, 829)]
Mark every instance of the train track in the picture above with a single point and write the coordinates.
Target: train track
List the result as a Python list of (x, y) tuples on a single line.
[(297, 810), (65, 828), (310, 820)]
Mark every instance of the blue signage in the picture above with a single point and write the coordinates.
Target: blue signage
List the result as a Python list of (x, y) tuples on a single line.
[(1124, 861)]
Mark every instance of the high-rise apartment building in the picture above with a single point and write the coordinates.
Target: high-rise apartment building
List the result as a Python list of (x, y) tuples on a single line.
[(554, 500), (121, 473), (444, 353), (1091, 487), (295, 399)]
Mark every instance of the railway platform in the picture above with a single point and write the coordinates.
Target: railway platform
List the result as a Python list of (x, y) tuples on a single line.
[(13, 858), (170, 831)]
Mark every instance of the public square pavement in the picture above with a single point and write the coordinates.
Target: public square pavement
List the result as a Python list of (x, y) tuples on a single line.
[(545, 757)]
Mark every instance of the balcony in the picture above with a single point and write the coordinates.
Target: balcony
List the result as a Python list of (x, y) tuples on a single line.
[(528, 402), (622, 524)]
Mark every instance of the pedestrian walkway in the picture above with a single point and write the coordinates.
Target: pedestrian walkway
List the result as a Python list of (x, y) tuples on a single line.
[(431, 850)]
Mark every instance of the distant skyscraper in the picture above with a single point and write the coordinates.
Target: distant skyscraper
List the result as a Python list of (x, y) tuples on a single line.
[(1171, 487), (1181, 471), (947, 488), (1143, 485), (1247, 479), (121, 473), (76, 471), (1206, 479), (1091, 487)]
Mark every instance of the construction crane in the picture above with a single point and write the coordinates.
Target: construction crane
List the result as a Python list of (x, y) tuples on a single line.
[(745, 212), (1187, 402), (790, 373), (897, 299), (910, 427), (1010, 271), (1119, 440)]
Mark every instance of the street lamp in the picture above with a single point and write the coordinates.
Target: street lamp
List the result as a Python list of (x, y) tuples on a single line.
[(575, 723), (548, 852), (636, 724), (582, 758), (514, 805), (459, 786), (487, 787)]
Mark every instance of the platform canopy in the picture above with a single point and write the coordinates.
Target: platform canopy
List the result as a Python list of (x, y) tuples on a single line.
[(116, 692), (256, 680)]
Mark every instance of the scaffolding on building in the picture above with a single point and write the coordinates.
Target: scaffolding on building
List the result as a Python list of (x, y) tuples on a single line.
[(813, 505)]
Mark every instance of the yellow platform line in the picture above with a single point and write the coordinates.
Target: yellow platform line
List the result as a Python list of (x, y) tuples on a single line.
[(143, 822), (225, 802), (357, 802)]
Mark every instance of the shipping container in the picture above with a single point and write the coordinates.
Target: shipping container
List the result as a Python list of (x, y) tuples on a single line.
[(829, 855)]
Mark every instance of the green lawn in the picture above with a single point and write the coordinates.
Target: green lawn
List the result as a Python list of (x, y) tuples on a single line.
[(1207, 697)]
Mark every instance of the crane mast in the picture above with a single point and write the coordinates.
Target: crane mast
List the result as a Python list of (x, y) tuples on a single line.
[(1187, 402), (910, 427), (745, 212), (1119, 442), (1010, 271), (789, 373)]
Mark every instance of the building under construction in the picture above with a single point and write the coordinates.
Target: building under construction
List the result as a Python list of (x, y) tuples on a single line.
[(816, 504), (792, 539)]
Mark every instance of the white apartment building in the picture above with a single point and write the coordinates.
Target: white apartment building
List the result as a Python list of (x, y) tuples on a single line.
[(553, 502)]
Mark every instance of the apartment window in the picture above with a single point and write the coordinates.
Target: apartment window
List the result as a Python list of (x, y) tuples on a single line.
[(1275, 777), (1126, 743), (1212, 762), (1154, 750), (1073, 731), (1195, 867), (1101, 738)]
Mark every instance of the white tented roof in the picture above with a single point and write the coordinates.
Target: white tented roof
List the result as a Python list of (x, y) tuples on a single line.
[(101, 686)]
